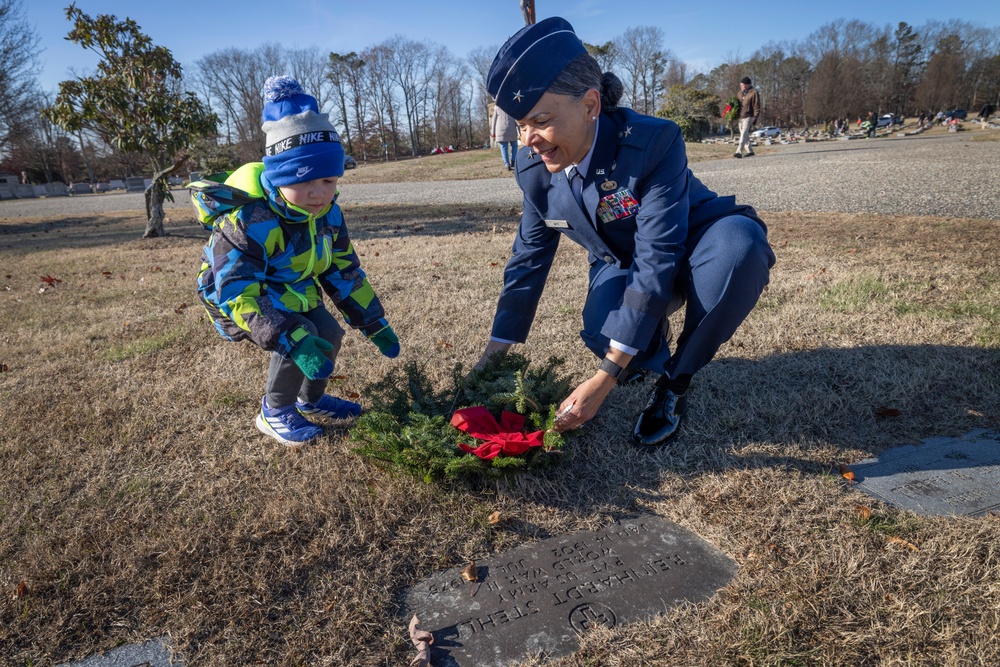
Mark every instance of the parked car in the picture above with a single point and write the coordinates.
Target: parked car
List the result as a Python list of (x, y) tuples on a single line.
[(887, 120), (349, 162), (766, 131), (102, 186), (956, 113)]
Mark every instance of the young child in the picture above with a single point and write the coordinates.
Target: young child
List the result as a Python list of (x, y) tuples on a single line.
[(278, 242)]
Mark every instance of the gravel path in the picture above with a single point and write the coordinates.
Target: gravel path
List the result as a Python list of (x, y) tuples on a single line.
[(938, 175)]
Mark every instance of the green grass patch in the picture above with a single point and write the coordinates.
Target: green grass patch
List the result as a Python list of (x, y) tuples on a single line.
[(854, 295), (144, 346)]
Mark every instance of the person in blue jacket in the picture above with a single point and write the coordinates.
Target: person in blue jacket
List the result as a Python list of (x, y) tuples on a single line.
[(617, 183)]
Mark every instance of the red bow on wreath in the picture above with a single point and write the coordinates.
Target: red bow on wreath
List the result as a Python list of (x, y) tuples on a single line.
[(507, 437)]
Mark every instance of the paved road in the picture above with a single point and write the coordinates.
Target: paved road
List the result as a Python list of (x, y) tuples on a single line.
[(940, 175)]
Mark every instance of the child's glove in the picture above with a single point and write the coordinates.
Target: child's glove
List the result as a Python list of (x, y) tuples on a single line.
[(309, 356), (386, 341)]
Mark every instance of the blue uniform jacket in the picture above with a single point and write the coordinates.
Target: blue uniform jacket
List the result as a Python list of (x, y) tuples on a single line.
[(635, 155)]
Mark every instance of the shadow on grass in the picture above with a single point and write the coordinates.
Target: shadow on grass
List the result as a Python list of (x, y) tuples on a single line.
[(49, 234), (796, 411)]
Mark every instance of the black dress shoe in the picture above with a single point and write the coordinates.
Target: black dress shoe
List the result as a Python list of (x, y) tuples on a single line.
[(660, 420)]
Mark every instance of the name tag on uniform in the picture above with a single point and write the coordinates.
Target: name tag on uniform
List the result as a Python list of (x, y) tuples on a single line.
[(557, 224), (616, 206)]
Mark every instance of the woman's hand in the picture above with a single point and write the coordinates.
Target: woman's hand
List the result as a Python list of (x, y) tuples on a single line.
[(581, 406), (493, 347)]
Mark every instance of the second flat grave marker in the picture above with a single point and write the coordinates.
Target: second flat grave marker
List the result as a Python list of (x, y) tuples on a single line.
[(539, 598)]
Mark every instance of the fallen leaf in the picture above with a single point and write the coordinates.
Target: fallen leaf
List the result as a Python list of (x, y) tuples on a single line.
[(863, 511), (422, 641), (852, 251), (50, 281), (903, 543), (471, 574), (337, 378), (156, 268), (354, 395), (494, 265), (847, 473), (22, 590), (494, 518), (443, 344), (4, 368), (107, 274), (884, 412)]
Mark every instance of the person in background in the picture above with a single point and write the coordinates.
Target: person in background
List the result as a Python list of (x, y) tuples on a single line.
[(617, 183), (749, 112), (984, 115), (503, 130), (278, 243)]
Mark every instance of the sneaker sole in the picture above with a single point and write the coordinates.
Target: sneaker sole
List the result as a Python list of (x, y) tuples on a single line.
[(266, 429)]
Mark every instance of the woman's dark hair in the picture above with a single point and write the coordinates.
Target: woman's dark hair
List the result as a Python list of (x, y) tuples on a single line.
[(582, 74)]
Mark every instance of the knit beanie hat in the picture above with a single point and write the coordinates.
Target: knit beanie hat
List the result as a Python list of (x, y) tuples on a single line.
[(302, 144)]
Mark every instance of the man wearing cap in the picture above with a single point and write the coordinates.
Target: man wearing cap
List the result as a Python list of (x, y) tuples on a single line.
[(617, 183), (749, 110)]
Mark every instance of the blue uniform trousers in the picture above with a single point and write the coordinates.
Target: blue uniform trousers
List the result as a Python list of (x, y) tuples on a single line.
[(723, 274)]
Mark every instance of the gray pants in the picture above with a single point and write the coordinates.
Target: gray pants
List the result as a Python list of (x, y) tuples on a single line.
[(285, 380)]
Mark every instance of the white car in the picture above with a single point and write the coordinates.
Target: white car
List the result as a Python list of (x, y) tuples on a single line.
[(767, 131)]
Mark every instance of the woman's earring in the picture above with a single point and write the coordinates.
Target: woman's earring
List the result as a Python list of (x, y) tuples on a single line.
[(593, 118)]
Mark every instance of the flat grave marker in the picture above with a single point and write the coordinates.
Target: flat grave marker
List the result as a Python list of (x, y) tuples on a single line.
[(152, 653), (941, 476), (541, 597)]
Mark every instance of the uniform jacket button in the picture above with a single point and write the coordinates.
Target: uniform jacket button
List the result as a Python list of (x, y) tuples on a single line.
[(609, 259)]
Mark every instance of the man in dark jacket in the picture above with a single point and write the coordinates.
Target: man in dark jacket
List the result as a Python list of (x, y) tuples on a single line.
[(872, 124), (984, 115), (749, 110)]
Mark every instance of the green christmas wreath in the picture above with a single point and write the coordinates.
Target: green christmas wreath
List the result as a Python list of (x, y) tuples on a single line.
[(409, 426)]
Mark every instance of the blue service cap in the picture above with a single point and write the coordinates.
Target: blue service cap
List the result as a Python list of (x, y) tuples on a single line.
[(528, 63)]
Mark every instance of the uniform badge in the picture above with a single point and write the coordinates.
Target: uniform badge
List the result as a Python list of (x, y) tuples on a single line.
[(608, 186), (617, 206), (557, 224)]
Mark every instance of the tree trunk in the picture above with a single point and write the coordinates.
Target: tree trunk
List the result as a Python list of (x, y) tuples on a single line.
[(155, 194)]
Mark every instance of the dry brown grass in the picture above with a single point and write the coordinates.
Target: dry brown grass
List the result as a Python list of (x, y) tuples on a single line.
[(138, 499), (470, 165)]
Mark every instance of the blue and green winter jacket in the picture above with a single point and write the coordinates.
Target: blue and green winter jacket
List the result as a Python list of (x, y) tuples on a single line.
[(267, 259)]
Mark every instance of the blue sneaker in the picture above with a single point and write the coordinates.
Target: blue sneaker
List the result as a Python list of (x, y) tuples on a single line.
[(330, 407), (286, 425)]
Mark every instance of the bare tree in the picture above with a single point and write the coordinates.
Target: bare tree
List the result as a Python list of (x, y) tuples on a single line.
[(18, 64), (309, 66), (640, 54), (378, 86), (234, 78)]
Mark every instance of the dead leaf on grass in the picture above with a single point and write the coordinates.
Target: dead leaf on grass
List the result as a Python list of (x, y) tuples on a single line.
[(50, 281), (863, 511), (847, 473), (884, 412), (443, 345), (494, 518), (903, 543), (22, 590), (422, 641), (354, 396), (4, 368), (471, 574)]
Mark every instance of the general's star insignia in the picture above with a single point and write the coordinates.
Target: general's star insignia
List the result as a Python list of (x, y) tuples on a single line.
[(628, 130), (517, 96)]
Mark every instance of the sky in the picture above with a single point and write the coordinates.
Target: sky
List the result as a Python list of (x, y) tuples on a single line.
[(701, 33)]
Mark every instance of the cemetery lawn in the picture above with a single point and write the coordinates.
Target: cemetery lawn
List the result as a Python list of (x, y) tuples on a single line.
[(473, 164), (138, 500)]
